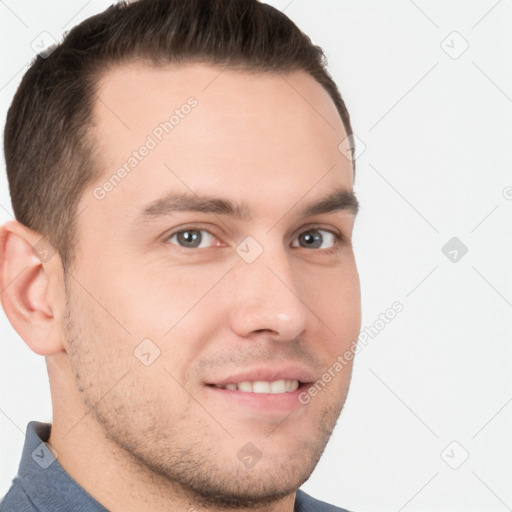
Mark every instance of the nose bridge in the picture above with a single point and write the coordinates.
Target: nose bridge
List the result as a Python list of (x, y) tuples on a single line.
[(267, 296)]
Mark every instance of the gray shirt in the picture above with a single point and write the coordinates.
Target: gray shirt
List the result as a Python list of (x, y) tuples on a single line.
[(43, 485)]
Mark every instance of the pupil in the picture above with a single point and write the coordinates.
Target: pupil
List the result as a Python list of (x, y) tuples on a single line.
[(312, 239), (189, 237)]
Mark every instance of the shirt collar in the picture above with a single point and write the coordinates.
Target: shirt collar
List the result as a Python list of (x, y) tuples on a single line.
[(45, 481)]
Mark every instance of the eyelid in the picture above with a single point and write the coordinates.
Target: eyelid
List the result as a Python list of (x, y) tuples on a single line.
[(340, 237), (192, 227)]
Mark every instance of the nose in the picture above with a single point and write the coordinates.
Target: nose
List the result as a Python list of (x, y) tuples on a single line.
[(267, 299)]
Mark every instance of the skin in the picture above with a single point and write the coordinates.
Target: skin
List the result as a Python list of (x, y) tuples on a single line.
[(152, 437)]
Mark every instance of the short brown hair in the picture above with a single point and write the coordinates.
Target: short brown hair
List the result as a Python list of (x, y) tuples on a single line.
[(48, 144)]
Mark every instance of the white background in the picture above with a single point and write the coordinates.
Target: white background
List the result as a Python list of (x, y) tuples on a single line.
[(437, 132)]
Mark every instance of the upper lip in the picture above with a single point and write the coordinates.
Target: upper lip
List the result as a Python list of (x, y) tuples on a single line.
[(288, 372)]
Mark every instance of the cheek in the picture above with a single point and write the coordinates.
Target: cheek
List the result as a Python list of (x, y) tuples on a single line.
[(335, 297), (156, 300), (111, 376), (166, 313)]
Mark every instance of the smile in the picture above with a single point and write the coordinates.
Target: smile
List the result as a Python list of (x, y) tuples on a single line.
[(260, 386)]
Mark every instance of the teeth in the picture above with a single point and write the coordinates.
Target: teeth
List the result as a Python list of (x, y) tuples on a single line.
[(245, 386), (279, 386), (294, 384), (260, 386)]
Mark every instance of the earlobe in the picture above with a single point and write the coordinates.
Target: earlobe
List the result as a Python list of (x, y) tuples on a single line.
[(25, 281)]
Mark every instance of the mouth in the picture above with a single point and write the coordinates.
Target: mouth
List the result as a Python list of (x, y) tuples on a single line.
[(261, 386), (277, 396), (263, 389)]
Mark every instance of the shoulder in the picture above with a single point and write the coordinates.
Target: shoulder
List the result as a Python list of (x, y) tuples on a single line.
[(305, 503), (16, 499)]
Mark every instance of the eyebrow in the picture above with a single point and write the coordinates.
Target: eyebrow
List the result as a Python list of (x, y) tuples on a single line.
[(339, 199)]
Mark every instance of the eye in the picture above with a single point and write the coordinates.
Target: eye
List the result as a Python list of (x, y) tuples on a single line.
[(191, 238), (312, 238)]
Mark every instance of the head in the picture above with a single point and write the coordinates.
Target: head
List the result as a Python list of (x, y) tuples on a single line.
[(183, 222)]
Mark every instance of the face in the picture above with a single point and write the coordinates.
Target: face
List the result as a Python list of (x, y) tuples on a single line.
[(171, 303)]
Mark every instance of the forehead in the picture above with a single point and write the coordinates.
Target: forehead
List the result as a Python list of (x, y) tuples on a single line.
[(135, 86), (206, 128)]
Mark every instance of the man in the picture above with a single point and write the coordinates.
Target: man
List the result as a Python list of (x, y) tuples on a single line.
[(182, 258)]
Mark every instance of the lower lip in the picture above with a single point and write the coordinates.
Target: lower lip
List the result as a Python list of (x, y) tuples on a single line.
[(264, 402)]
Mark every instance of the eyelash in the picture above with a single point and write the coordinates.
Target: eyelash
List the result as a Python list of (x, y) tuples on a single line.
[(339, 239)]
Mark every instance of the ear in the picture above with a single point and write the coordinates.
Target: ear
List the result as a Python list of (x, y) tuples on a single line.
[(32, 287)]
